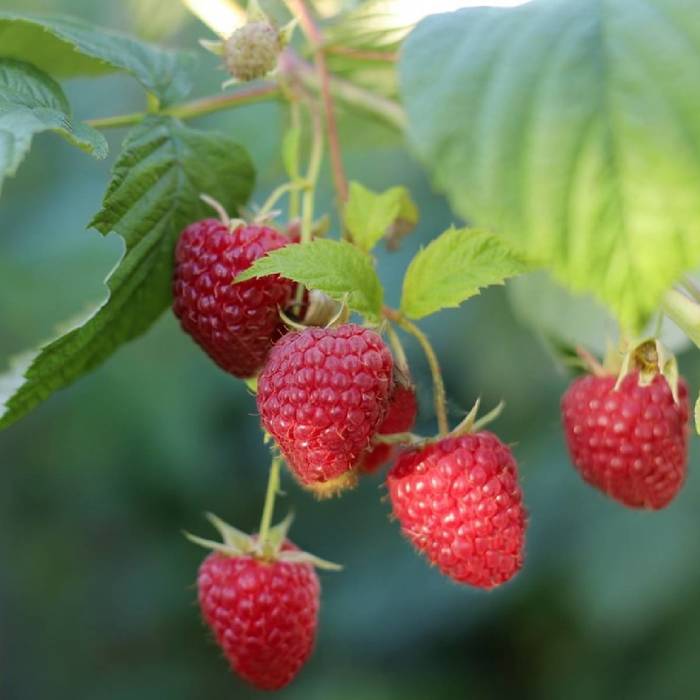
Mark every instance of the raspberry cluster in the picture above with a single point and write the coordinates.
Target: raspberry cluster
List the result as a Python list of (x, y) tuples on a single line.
[(337, 405)]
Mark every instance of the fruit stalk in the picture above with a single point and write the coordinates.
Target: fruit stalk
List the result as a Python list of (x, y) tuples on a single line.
[(273, 485), (439, 396), (295, 124), (314, 168)]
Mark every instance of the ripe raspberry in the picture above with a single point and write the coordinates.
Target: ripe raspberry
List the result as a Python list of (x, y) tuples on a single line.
[(631, 443), (252, 50), (400, 417), (235, 324), (459, 502), (322, 395), (263, 614)]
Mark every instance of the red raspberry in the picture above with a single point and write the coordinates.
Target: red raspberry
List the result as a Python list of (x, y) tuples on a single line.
[(400, 417), (235, 324), (631, 443), (322, 395), (263, 615), (459, 502)]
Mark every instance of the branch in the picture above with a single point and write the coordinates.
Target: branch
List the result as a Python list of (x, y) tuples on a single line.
[(342, 90), (196, 108)]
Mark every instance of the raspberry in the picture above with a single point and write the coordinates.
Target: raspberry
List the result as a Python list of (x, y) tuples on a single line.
[(322, 395), (459, 502), (252, 50), (631, 443), (263, 614), (400, 417), (235, 324)]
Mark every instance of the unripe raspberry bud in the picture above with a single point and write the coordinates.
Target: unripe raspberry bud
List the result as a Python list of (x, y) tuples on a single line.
[(252, 50)]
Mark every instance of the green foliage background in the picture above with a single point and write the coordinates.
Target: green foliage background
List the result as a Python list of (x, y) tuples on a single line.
[(96, 581)]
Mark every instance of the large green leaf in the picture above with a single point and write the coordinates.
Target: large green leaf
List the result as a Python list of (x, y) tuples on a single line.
[(66, 47), (336, 268), (572, 128), (153, 195), (31, 102)]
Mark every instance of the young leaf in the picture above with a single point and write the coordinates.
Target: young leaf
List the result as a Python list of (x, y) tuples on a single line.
[(369, 216), (334, 267), (571, 128), (453, 268), (153, 195), (67, 47), (31, 102)]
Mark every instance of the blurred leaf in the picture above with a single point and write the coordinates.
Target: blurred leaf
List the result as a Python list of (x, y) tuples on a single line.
[(362, 44), (31, 102), (66, 47), (334, 267), (153, 195), (567, 320), (697, 415), (684, 312), (369, 216), (572, 129), (373, 24), (453, 267)]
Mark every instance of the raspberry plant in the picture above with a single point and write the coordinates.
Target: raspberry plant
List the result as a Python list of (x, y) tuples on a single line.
[(576, 172)]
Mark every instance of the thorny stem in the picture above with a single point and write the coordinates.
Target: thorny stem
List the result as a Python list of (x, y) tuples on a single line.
[(273, 485), (438, 383), (299, 9)]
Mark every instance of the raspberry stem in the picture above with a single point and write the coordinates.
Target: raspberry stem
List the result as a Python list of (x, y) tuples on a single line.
[(397, 347), (279, 192), (314, 167), (273, 484), (299, 9), (439, 397), (295, 123)]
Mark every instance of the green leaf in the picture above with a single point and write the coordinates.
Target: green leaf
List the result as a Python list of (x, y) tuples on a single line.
[(66, 47), (453, 267), (572, 129), (333, 267), (153, 195), (369, 216), (697, 415), (31, 102)]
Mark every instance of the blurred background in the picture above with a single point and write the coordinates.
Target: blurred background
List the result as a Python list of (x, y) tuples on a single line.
[(96, 581)]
